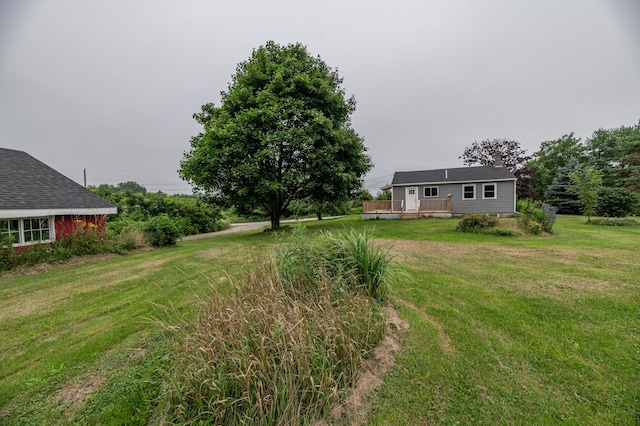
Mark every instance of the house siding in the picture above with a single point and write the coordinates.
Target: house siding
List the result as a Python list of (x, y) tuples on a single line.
[(503, 204), (397, 192)]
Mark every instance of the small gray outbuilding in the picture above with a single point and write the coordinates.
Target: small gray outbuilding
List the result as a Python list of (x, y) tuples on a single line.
[(446, 192)]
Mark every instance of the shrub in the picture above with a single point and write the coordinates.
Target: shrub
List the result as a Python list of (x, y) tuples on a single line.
[(549, 217), (476, 222), (500, 232), (121, 237), (7, 257), (126, 236), (534, 217), (162, 231), (84, 239), (616, 202)]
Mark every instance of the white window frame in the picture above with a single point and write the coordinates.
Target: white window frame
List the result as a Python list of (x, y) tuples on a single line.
[(473, 185), (495, 191), (424, 191), (21, 231)]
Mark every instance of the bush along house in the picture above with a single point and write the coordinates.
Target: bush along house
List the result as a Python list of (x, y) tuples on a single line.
[(40, 205), (447, 192)]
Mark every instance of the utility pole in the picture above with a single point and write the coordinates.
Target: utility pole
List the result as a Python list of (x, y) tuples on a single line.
[(85, 177)]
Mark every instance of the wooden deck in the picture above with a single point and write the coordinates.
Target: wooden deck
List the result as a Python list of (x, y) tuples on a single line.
[(396, 208)]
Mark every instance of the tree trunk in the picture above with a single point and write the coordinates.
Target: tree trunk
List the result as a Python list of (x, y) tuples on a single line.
[(275, 218), (319, 214)]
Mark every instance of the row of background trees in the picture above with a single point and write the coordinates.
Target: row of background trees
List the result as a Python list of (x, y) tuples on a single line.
[(186, 213), (281, 144), (612, 154)]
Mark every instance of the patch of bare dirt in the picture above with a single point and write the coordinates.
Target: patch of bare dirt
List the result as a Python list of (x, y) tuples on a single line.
[(355, 409), (70, 396)]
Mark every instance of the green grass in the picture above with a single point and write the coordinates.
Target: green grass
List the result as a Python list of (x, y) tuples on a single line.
[(503, 330)]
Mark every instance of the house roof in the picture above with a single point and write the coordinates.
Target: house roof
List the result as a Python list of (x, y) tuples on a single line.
[(458, 174), (29, 185)]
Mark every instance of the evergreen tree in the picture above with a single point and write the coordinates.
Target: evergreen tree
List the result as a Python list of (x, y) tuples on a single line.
[(560, 195)]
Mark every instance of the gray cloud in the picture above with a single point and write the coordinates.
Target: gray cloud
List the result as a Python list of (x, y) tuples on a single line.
[(112, 86)]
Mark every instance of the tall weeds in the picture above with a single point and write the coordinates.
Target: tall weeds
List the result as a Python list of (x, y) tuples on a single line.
[(282, 347)]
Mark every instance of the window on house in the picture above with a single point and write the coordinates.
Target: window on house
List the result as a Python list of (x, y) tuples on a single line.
[(489, 190), (10, 228), (431, 191), (26, 231), (468, 192)]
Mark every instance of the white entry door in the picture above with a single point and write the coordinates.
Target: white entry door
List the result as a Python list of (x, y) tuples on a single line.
[(411, 199)]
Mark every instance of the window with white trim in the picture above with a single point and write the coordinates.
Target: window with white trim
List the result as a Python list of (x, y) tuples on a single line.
[(27, 231), (489, 191), (468, 192), (10, 228), (431, 191)]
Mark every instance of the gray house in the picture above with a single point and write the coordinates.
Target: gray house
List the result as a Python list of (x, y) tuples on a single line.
[(447, 192)]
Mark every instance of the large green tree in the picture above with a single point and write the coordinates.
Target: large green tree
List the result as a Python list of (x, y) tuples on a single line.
[(553, 155), (282, 133), (616, 153)]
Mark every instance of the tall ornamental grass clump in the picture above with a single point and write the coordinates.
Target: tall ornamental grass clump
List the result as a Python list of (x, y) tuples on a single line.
[(283, 346), (349, 258)]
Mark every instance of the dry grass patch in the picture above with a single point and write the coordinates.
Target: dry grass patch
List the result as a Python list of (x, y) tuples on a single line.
[(443, 339), (74, 394)]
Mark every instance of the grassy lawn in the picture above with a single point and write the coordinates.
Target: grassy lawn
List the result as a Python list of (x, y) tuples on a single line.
[(527, 330)]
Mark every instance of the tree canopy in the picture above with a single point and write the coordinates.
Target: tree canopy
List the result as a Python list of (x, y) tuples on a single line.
[(613, 152), (512, 155), (282, 133), (553, 155)]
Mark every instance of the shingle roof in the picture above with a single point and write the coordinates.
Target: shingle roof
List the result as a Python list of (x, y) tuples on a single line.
[(26, 184), (458, 174)]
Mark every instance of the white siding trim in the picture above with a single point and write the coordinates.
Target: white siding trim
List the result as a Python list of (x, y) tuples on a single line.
[(20, 213), (474, 191), (52, 232), (495, 191)]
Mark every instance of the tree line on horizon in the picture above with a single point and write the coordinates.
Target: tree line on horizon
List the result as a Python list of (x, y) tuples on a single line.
[(609, 157), (281, 143)]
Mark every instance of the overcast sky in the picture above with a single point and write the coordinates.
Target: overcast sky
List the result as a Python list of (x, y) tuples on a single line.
[(111, 86)]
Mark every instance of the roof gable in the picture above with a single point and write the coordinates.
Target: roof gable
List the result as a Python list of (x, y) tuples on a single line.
[(454, 175), (29, 184)]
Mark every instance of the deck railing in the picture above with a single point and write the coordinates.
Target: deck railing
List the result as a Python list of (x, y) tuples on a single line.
[(397, 206), (435, 205)]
